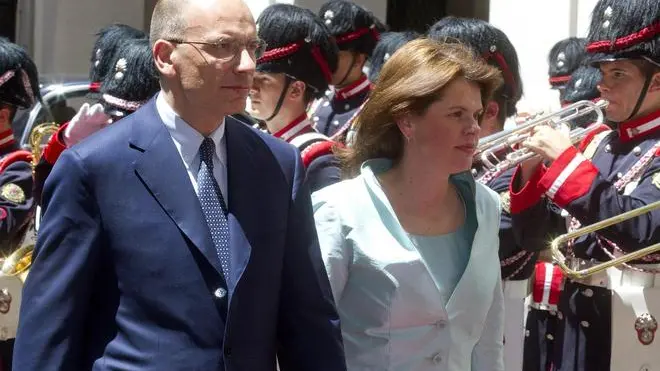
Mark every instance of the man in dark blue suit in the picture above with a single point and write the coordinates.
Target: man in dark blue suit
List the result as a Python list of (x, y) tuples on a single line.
[(179, 238)]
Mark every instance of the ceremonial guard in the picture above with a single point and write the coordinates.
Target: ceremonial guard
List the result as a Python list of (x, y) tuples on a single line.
[(128, 83), (19, 88), (564, 58), (105, 47), (295, 69), (607, 320), (542, 318), (356, 32), (517, 263)]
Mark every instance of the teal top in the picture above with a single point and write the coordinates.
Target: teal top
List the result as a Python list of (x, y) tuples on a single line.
[(446, 256)]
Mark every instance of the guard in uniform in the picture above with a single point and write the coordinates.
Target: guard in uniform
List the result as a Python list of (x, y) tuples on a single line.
[(564, 58), (543, 317), (356, 32), (19, 88), (517, 263), (607, 321), (295, 68), (105, 47), (129, 83)]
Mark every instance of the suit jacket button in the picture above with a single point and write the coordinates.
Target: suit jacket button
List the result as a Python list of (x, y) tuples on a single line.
[(220, 293)]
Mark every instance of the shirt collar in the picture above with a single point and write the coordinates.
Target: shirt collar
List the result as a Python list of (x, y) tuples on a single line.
[(6, 139), (362, 85), (298, 126), (638, 128), (185, 136)]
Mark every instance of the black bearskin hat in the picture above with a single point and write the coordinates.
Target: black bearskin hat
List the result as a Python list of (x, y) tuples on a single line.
[(298, 44), (494, 46), (132, 80), (564, 58), (583, 85), (105, 47), (625, 30), (353, 27), (389, 43), (19, 79)]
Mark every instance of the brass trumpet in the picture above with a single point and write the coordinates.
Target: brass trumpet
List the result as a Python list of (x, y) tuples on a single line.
[(505, 144), (560, 241)]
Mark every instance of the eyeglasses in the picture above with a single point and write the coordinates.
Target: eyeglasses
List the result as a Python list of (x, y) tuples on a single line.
[(227, 50)]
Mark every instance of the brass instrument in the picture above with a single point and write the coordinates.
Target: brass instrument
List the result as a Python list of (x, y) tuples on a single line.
[(500, 151), (560, 241)]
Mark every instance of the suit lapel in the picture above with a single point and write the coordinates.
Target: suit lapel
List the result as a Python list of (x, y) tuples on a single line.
[(244, 188), (162, 171)]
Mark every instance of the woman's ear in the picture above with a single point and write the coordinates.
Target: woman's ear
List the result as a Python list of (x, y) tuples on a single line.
[(404, 123)]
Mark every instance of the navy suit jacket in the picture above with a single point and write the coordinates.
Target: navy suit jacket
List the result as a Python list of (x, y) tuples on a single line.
[(125, 271)]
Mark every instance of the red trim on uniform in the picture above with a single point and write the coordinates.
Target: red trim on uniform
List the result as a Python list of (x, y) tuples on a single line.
[(55, 145), (559, 80), (357, 34), (542, 287), (315, 150), (16, 156), (346, 92), (7, 139), (278, 53), (641, 127), (95, 87), (529, 194), (569, 177), (645, 34), (506, 71), (282, 133), (590, 136), (3, 213)]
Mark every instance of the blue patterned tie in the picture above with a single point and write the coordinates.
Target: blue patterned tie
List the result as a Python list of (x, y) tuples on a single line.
[(213, 204)]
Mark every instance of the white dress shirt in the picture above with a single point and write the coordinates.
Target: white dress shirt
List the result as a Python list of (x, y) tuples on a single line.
[(187, 141)]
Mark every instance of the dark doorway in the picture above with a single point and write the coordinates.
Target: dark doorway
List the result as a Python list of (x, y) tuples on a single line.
[(414, 15), (8, 19), (419, 15)]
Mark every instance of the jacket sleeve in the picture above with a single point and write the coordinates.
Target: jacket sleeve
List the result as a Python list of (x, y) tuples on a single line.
[(309, 335), (60, 281), (534, 220), (575, 184), (322, 172), (51, 153), (516, 260), (16, 201)]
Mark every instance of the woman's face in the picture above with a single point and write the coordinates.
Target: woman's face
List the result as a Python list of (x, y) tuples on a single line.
[(447, 134)]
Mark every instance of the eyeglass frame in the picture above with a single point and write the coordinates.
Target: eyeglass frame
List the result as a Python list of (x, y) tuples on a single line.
[(216, 46)]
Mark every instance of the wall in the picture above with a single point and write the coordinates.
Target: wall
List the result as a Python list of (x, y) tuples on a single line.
[(534, 27), (64, 31)]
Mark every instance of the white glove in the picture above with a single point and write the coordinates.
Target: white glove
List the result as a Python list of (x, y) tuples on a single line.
[(86, 122)]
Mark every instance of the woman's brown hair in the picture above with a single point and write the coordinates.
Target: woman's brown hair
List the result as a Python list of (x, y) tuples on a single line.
[(411, 80)]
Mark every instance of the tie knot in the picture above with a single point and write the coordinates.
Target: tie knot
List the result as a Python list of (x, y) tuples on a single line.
[(206, 151)]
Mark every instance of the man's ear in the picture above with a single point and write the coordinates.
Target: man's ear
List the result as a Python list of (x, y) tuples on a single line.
[(162, 52), (297, 90), (655, 82)]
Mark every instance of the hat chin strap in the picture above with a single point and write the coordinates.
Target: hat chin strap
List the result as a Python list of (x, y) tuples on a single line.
[(280, 100), (348, 72), (642, 95)]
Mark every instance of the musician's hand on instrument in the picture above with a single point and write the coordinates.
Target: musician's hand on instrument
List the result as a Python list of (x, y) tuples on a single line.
[(86, 122), (548, 142)]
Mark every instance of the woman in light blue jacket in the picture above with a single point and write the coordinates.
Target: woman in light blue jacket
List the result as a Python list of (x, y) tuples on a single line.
[(410, 244)]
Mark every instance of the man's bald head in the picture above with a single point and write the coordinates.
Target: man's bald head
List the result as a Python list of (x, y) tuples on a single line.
[(167, 20)]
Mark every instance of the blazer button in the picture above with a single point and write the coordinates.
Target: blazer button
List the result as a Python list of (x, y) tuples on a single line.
[(437, 359), (220, 293)]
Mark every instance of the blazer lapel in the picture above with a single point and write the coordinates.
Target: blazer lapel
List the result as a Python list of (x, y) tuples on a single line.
[(245, 188), (162, 171)]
